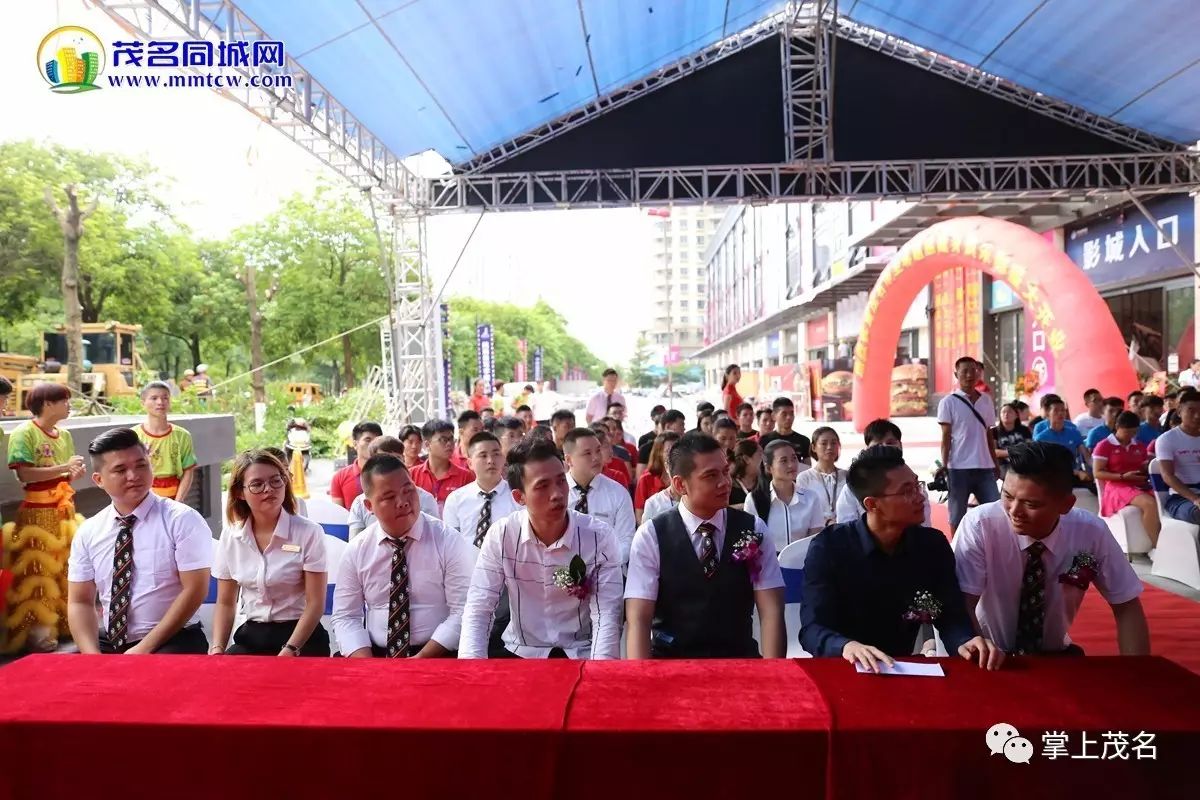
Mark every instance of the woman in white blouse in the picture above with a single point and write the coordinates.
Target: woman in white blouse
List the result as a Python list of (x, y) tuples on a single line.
[(824, 480), (789, 512), (274, 561)]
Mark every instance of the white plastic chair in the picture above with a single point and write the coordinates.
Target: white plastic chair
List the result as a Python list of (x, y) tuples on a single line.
[(1178, 553), (791, 563), (1126, 527)]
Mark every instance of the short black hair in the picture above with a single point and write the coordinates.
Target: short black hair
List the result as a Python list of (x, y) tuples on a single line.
[(867, 476), (509, 424), (609, 371), (704, 405), (409, 430), (380, 464), (467, 416), (111, 441), (1171, 395), (365, 427), (435, 426), (744, 407), (1128, 419), (1021, 405), (615, 404), (1188, 395), (725, 423), (1152, 400), (879, 429), (529, 450), (690, 445), (657, 412), (964, 360), (574, 435), (762, 412), (1048, 464), (1090, 393), (562, 415), (523, 407), (5, 386), (782, 402), (1114, 402), (480, 438), (1133, 394), (672, 416), (1051, 399)]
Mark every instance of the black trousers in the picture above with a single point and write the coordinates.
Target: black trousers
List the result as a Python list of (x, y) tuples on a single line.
[(189, 641), (503, 652), (268, 638)]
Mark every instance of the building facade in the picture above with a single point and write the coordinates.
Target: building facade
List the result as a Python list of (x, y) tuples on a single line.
[(679, 281)]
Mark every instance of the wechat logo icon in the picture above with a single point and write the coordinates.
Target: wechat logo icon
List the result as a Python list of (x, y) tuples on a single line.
[(1004, 739)]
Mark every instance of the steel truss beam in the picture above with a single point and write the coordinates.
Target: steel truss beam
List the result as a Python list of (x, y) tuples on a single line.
[(807, 48), (1052, 177)]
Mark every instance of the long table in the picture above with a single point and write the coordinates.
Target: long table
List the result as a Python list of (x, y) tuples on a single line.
[(181, 727)]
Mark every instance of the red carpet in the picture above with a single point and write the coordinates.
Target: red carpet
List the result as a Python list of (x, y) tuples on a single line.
[(1174, 620)]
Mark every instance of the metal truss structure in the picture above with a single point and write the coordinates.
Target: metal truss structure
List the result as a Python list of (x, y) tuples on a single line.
[(298, 106), (1051, 177), (807, 47)]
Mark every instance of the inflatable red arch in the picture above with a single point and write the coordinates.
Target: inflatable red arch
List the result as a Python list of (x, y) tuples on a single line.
[(1087, 345)]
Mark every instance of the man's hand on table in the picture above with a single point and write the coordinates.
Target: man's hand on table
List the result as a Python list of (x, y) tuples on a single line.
[(869, 657), (989, 655)]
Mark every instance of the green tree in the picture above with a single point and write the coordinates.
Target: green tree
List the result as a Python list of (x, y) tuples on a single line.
[(639, 365)]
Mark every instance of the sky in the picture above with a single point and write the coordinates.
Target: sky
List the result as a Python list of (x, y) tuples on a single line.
[(225, 168)]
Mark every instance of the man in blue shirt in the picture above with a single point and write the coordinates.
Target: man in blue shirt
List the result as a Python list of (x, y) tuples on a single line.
[(1113, 406), (1151, 411), (1061, 432), (870, 584)]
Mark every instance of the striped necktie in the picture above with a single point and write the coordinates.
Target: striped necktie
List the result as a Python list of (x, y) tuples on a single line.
[(398, 621), (485, 517), (122, 585), (708, 549), (582, 506), (1031, 613)]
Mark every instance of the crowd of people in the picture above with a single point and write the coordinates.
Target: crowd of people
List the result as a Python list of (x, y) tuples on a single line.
[(506, 536)]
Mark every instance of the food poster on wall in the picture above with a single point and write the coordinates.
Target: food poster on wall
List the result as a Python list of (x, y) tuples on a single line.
[(837, 392), (910, 390), (791, 381)]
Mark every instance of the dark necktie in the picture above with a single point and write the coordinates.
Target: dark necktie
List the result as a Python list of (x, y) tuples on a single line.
[(485, 517), (581, 506), (122, 585), (1031, 615), (708, 549), (397, 631)]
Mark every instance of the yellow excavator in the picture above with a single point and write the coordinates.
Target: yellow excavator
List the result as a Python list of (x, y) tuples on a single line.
[(110, 355)]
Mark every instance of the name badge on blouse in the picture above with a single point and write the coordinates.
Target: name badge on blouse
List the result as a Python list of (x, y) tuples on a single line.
[(290, 548)]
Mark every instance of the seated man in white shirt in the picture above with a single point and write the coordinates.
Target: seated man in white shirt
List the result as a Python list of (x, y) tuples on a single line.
[(1025, 562), (697, 574), (403, 581), (359, 517), (146, 557), (593, 493), (887, 433), (471, 509), (562, 570)]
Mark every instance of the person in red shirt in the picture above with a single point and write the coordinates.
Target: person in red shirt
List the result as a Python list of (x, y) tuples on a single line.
[(479, 399), (347, 484), (614, 467), (730, 399), (439, 475), (655, 478), (411, 436), (469, 424)]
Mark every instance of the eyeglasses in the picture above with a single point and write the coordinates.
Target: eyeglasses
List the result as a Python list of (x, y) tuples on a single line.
[(910, 491), (442, 440), (258, 487)]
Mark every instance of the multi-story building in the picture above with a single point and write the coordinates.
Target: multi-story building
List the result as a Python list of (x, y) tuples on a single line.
[(679, 281)]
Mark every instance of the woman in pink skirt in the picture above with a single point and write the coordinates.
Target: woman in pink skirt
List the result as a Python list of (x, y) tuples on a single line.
[(1121, 463)]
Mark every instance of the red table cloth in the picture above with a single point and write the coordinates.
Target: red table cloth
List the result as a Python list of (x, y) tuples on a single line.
[(193, 726)]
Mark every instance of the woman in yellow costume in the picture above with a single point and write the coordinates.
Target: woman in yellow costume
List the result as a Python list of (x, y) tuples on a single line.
[(37, 545)]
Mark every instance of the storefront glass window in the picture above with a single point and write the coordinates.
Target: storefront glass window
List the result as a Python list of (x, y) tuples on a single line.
[(1139, 317), (1181, 318)]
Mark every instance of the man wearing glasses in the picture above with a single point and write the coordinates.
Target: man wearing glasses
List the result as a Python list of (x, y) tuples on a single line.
[(438, 474), (869, 585)]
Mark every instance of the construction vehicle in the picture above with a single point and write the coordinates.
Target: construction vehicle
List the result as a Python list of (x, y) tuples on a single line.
[(110, 356)]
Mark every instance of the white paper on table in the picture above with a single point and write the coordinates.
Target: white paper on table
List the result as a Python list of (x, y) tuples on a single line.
[(919, 669)]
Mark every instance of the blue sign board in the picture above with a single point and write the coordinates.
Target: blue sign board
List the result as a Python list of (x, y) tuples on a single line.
[(538, 356), (486, 354), (1128, 246)]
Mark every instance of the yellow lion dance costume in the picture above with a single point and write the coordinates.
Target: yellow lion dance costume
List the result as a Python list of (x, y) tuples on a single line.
[(36, 548)]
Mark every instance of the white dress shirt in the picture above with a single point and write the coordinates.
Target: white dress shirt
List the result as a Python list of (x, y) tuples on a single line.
[(1086, 423), (826, 487), (465, 504), (660, 502), (610, 503), (271, 581), (799, 518), (439, 572), (597, 406), (645, 560), (849, 509), (544, 616), (990, 562), (968, 439), (359, 518), (168, 538)]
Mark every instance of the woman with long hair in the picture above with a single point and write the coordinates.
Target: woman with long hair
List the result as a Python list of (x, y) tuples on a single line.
[(730, 399), (273, 562), (824, 480), (655, 478), (745, 471), (789, 513)]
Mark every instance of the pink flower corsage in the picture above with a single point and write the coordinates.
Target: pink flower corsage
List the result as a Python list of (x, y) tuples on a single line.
[(747, 548), (925, 608), (574, 579), (1084, 569)]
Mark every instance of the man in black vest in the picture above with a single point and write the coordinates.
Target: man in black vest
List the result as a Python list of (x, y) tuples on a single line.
[(696, 573), (870, 584)]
